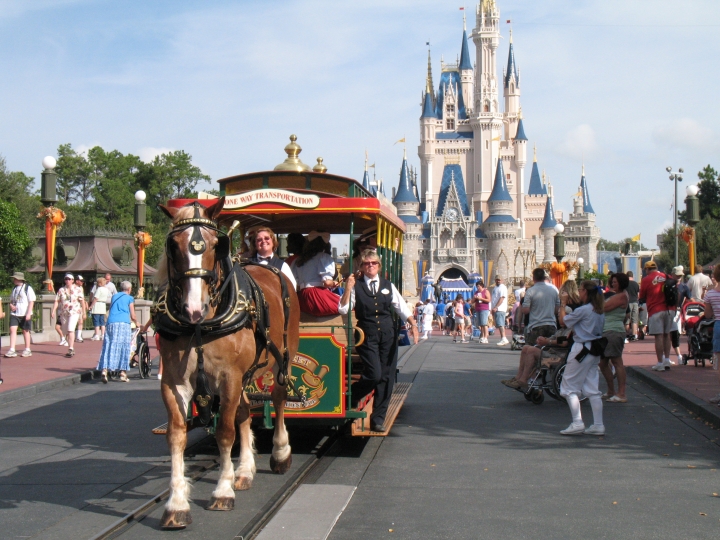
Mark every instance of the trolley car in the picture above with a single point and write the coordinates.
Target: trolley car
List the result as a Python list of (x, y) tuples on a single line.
[(296, 199)]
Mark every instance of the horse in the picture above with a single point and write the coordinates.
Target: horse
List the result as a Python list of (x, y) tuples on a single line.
[(219, 320)]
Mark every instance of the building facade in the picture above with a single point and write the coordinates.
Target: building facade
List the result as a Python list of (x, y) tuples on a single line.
[(471, 210)]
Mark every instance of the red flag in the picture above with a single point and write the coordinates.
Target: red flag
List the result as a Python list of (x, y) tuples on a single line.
[(462, 8), (509, 21)]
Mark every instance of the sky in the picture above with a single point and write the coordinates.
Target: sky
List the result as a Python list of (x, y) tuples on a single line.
[(628, 88)]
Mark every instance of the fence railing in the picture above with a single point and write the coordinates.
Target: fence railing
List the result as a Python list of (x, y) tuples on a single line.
[(37, 319)]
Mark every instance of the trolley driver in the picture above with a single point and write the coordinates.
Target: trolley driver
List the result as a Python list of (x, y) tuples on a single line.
[(374, 299)]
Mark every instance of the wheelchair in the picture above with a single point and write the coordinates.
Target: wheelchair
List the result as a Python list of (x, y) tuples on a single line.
[(140, 358)]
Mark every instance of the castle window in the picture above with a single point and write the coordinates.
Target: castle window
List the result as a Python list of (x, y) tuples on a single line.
[(507, 176), (450, 124), (487, 145), (450, 110)]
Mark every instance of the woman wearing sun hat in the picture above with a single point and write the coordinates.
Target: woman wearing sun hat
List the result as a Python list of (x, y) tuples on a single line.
[(71, 299)]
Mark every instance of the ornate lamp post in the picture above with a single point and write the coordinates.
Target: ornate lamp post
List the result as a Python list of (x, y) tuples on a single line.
[(692, 207), (676, 177), (53, 218), (580, 262), (142, 239), (559, 242)]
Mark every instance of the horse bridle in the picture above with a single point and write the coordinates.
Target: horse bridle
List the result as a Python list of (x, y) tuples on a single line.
[(198, 246)]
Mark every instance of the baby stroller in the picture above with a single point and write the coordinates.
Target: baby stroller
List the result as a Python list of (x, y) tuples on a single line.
[(699, 334)]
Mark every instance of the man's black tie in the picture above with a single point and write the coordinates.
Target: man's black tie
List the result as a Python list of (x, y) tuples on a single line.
[(373, 287)]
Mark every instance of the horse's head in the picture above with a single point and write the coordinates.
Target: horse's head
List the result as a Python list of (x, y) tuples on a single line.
[(194, 249)]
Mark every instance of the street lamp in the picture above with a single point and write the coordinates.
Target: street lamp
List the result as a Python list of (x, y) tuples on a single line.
[(142, 239), (580, 262), (676, 177), (53, 217), (692, 209), (559, 242)]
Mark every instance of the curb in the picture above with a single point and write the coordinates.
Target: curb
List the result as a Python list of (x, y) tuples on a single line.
[(45, 386), (692, 403)]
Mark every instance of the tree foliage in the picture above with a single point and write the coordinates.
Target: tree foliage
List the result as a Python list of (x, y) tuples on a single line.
[(609, 245), (15, 243)]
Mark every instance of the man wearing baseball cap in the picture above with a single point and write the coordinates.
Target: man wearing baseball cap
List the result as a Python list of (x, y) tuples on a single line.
[(22, 301), (660, 316)]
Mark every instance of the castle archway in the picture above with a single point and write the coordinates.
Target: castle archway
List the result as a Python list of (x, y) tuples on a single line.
[(452, 271)]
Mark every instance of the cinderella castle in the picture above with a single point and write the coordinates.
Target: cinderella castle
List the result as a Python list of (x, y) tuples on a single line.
[(471, 210)]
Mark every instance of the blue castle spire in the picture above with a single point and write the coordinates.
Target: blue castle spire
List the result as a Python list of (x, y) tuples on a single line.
[(465, 62), (536, 186), (428, 108), (511, 66), (405, 192), (520, 135), (500, 191), (549, 219), (587, 207)]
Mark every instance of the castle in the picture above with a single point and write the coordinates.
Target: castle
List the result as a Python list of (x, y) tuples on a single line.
[(470, 211)]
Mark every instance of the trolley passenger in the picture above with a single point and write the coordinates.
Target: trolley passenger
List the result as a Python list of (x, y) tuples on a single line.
[(374, 299), (315, 273), (263, 244)]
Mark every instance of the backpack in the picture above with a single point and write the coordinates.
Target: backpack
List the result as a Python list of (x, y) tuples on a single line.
[(670, 290)]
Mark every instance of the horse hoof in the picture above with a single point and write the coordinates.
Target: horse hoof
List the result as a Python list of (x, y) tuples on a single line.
[(175, 519), (221, 503), (280, 467), (243, 483)]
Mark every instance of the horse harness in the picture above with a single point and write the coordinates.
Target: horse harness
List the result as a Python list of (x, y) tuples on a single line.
[(240, 303)]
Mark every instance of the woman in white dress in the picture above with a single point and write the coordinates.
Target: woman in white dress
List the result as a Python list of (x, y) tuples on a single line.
[(315, 273), (428, 311)]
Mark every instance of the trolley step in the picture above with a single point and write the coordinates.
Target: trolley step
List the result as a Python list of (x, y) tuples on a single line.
[(361, 426), (265, 396)]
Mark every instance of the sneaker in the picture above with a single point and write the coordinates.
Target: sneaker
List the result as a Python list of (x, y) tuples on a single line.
[(503, 342), (63, 343), (574, 429), (667, 363), (96, 338), (616, 399), (70, 353), (26, 353), (716, 399), (512, 384), (463, 341), (10, 354), (658, 367), (595, 430), (627, 340), (79, 340)]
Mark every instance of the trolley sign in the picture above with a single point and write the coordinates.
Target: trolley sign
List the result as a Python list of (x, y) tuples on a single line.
[(277, 196)]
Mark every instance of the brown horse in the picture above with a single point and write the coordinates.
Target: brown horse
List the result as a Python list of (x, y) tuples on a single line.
[(196, 266)]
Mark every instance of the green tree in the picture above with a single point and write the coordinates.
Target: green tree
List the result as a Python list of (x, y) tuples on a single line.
[(609, 245), (17, 188), (175, 176), (75, 181), (15, 243)]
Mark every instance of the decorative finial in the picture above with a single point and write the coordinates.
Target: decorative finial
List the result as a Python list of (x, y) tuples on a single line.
[(520, 113), (535, 153), (511, 35), (366, 159), (292, 162), (464, 23), (319, 168), (429, 81)]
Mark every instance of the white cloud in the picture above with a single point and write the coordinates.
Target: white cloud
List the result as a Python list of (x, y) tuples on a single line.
[(579, 142), (149, 153), (82, 149), (685, 134)]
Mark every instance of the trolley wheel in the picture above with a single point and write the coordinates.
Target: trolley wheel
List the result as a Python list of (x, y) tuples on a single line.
[(528, 396), (537, 397), (144, 361)]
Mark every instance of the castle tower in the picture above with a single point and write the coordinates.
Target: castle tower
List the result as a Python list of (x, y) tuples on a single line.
[(467, 75), (408, 208), (487, 119), (581, 226), (547, 230), (428, 126), (511, 93), (500, 227), (520, 145), (366, 176)]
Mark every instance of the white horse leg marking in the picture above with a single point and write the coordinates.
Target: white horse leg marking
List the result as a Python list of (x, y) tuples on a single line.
[(246, 461), (179, 485), (281, 447)]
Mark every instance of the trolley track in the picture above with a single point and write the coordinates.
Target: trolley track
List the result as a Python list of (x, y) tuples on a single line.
[(125, 525)]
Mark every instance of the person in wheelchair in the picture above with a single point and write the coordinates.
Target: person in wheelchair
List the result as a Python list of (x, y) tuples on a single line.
[(547, 350)]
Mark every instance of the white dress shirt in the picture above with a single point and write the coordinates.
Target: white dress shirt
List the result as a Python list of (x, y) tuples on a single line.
[(315, 272), (285, 269), (398, 303)]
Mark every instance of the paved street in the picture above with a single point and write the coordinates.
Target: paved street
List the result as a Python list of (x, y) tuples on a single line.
[(470, 458)]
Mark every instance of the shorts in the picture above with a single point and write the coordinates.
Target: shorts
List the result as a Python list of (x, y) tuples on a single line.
[(544, 330), (615, 344), (633, 313), (21, 322), (481, 317), (98, 319), (500, 319), (662, 322), (69, 322), (459, 320)]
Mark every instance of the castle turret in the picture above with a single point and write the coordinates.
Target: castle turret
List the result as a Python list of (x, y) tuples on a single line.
[(500, 227), (520, 144), (587, 207), (547, 229), (511, 91), (581, 226), (405, 200), (428, 126), (467, 75), (366, 175)]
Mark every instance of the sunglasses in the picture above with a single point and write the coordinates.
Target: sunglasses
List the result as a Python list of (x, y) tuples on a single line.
[(371, 263)]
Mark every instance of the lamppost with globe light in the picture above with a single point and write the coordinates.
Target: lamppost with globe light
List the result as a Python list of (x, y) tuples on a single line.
[(559, 242), (580, 262), (692, 209), (675, 177), (53, 217), (142, 239)]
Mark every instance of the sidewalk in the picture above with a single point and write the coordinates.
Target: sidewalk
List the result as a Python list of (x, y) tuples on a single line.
[(48, 368)]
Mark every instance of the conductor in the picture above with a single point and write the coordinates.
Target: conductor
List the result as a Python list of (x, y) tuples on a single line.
[(374, 299)]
